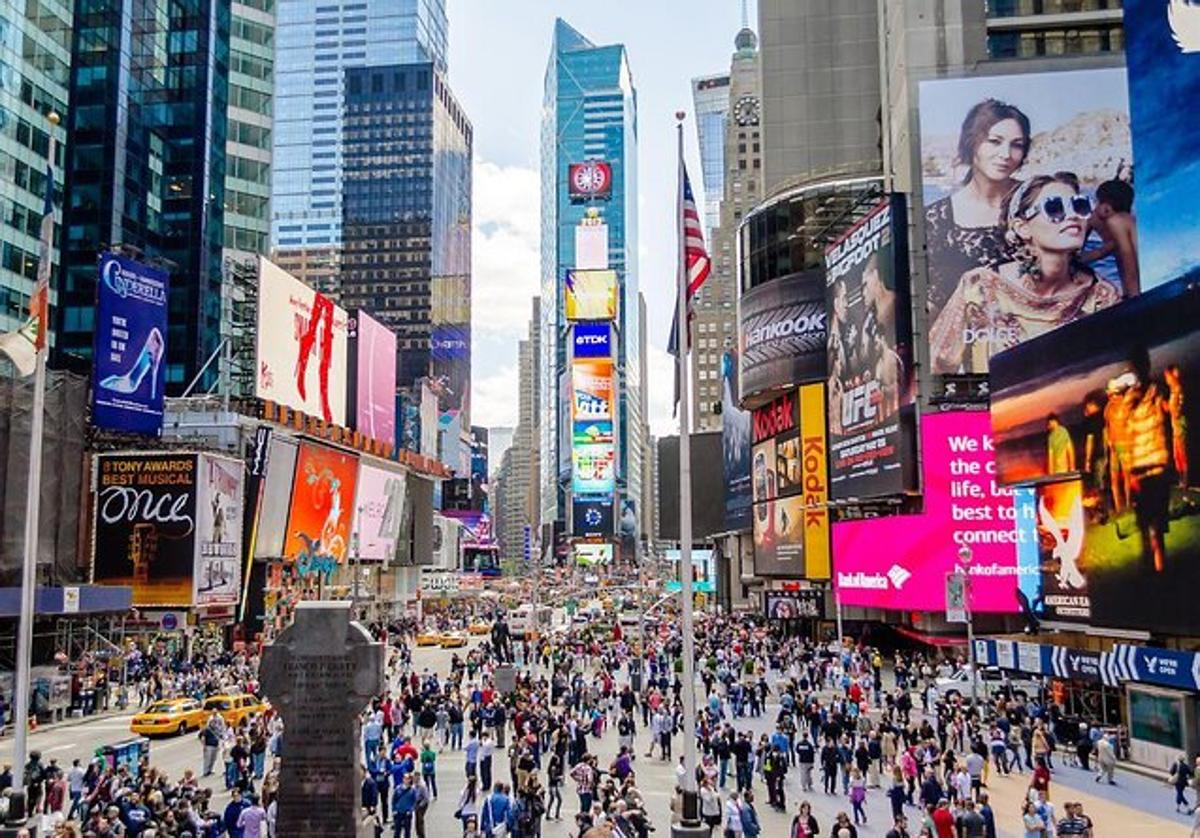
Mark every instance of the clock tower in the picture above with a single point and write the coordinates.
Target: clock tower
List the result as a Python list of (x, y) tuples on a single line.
[(715, 325)]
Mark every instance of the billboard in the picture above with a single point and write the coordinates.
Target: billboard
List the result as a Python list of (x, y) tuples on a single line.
[(591, 294), (276, 498), (591, 244), (302, 356), (592, 518), (219, 504), (1162, 56), (993, 263), (378, 513), (735, 449), (963, 508), (318, 531), (781, 334), (1107, 401), (592, 390), (592, 432), (1066, 404), (372, 390), (872, 385), (145, 526), (704, 571), (589, 554), (130, 343), (589, 181), (593, 469), (794, 605), (592, 340), (791, 532)]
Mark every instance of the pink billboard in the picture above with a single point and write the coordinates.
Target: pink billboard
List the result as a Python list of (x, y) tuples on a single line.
[(901, 562), (373, 349)]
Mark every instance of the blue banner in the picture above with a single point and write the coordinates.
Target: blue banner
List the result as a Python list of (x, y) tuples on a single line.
[(592, 340), (1165, 667), (1162, 52), (131, 345)]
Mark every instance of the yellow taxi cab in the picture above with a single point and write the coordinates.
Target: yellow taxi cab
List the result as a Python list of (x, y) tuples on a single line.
[(453, 640), (172, 715), (429, 638), (234, 708), (479, 627)]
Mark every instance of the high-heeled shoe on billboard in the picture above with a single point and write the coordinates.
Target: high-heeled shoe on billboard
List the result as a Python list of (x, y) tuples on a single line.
[(148, 361)]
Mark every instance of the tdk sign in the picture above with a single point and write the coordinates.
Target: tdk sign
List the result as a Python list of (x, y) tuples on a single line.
[(593, 340)]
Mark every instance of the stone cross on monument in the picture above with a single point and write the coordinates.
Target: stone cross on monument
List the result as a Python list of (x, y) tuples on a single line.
[(320, 673)]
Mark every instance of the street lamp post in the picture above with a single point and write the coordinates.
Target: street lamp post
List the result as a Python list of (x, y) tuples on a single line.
[(964, 558)]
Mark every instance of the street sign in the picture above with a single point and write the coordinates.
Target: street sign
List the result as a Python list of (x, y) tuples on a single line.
[(956, 597)]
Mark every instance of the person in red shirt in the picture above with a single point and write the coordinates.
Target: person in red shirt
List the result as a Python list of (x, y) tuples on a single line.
[(943, 821)]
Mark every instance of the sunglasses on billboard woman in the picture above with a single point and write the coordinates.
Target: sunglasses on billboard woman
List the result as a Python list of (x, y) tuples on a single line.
[(1054, 208)]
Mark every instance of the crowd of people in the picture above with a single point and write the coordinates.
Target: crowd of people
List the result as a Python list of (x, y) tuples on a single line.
[(777, 715)]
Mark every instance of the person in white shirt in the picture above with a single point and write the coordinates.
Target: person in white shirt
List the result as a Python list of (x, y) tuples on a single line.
[(733, 815)]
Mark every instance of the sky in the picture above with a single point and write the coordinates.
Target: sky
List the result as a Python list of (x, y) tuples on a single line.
[(498, 55)]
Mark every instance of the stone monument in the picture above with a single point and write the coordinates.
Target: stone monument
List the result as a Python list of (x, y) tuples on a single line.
[(319, 674)]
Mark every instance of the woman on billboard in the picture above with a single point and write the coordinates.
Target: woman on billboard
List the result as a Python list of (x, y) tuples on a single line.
[(965, 229), (1043, 287)]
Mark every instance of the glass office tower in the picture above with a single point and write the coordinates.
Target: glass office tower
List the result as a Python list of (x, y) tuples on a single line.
[(589, 113), (710, 98), (406, 229), (145, 165), (317, 41), (35, 58)]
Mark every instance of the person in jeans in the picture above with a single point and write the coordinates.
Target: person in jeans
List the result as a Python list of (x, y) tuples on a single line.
[(584, 775)]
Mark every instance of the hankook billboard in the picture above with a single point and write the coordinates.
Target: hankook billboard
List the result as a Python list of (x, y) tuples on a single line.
[(781, 329)]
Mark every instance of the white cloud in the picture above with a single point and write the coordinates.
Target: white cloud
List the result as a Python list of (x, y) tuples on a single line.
[(494, 397), (661, 369), (505, 248)]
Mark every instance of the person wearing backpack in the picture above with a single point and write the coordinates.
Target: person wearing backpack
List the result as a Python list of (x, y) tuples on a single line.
[(429, 768)]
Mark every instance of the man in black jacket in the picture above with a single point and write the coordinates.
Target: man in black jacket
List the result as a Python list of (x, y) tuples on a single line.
[(900, 829)]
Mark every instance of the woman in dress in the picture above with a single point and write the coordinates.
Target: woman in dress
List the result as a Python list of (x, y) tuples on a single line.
[(1043, 287), (965, 230)]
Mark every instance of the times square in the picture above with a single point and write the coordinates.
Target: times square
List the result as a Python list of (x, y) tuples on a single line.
[(448, 417)]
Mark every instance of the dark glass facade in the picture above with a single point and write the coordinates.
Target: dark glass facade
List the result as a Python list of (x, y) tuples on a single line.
[(145, 166), (406, 225)]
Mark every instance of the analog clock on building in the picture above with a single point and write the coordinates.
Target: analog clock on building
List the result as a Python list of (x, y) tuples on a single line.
[(745, 111)]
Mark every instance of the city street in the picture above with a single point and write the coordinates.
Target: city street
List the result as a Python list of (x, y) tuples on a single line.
[(1136, 808)]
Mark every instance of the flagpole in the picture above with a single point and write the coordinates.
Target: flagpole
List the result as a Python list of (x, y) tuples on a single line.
[(21, 683), (690, 809)]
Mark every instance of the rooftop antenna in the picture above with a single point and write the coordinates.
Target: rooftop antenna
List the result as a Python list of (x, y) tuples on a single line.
[(745, 16)]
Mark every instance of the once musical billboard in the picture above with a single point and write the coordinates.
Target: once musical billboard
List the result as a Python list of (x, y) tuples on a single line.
[(145, 526), (1051, 147), (872, 386), (301, 346)]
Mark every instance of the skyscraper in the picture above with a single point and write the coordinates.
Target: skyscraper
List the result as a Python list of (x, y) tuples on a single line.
[(406, 229), (248, 164), (37, 59), (589, 114), (714, 326), (710, 99), (316, 44), (145, 167)]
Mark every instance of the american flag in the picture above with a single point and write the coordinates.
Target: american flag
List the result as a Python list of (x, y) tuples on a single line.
[(695, 256), (696, 263)]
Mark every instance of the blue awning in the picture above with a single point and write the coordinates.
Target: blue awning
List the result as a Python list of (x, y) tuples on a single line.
[(48, 602)]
